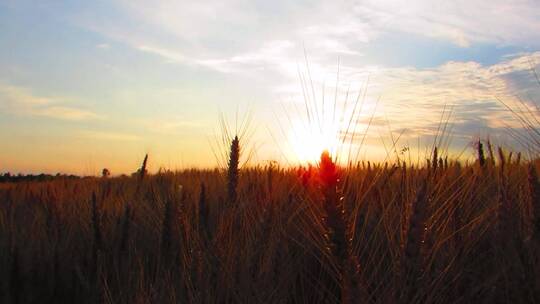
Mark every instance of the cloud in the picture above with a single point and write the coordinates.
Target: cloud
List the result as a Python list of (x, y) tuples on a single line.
[(20, 100), (466, 22), (472, 90), (66, 113), (227, 28), (232, 35), (264, 42), (413, 99), (21, 96), (273, 55), (171, 56), (245, 37)]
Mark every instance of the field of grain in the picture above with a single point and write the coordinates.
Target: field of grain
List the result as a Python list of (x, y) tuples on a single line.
[(441, 232)]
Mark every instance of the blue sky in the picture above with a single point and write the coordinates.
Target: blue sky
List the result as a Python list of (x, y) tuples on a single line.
[(97, 84)]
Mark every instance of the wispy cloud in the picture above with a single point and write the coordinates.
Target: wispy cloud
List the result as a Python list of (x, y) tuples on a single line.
[(20, 100), (462, 22), (243, 37), (171, 56), (271, 54), (66, 113), (227, 28)]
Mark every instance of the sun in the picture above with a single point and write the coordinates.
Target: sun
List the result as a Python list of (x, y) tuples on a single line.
[(309, 140), (328, 122)]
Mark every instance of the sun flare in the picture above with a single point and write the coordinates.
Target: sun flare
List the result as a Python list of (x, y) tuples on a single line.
[(308, 141)]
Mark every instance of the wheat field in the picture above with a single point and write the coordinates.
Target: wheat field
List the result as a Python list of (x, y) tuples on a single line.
[(441, 232)]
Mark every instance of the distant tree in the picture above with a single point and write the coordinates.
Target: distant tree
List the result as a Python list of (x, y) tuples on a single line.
[(105, 173)]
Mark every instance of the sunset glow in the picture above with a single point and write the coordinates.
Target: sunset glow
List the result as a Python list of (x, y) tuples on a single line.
[(101, 84), (308, 141)]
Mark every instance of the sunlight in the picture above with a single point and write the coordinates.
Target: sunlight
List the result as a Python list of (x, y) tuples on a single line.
[(309, 140), (329, 123)]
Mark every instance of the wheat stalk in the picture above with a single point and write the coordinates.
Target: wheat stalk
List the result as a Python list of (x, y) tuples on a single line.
[(412, 258), (203, 212), (97, 241), (143, 171), (481, 155), (434, 159), (124, 234), (232, 170), (502, 158), (340, 244), (166, 229), (534, 192)]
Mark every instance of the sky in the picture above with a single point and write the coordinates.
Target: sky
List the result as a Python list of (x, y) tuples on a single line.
[(91, 84)]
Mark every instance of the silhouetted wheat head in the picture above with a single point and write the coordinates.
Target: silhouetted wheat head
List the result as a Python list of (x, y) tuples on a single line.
[(338, 237), (233, 170)]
